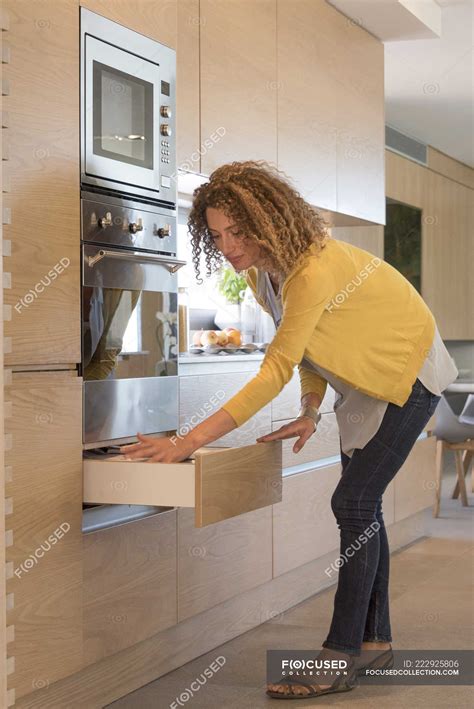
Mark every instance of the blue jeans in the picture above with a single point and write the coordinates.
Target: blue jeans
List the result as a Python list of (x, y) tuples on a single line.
[(361, 610)]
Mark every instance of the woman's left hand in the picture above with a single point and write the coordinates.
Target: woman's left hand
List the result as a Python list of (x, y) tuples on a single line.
[(302, 427), (163, 450)]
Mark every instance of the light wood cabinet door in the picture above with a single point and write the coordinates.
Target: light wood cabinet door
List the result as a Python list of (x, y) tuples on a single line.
[(331, 134), (154, 18), (304, 526), (129, 588), (238, 81), (448, 255), (222, 560), (43, 460), (218, 482), (41, 208)]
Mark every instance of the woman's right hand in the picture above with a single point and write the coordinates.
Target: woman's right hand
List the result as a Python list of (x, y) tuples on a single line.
[(303, 427)]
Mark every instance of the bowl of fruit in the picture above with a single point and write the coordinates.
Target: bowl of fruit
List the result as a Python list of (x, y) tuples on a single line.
[(228, 340)]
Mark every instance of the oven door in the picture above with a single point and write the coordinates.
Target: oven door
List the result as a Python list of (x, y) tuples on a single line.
[(121, 117), (129, 343)]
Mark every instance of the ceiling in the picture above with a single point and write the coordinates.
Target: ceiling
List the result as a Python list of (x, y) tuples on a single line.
[(428, 67)]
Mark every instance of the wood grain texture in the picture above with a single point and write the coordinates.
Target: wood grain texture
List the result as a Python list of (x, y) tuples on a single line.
[(238, 81), (43, 169), (188, 86), (449, 167), (327, 63), (304, 527), (129, 588), (154, 18), (222, 560), (220, 482), (404, 179), (46, 521), (370, 238), (237, 480), (448, 255)]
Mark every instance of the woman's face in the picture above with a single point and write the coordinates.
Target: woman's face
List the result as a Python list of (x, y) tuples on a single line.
[(240, 251)]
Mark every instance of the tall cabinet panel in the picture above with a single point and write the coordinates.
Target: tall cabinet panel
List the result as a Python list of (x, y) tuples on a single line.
[(43, 460), (41, 171), (448, 255), (238, 81), (187, 86)]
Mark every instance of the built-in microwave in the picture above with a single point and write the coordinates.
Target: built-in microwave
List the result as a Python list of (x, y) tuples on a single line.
[(128, 102)]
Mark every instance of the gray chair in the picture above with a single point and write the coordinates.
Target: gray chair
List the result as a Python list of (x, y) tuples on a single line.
[(454, 430)]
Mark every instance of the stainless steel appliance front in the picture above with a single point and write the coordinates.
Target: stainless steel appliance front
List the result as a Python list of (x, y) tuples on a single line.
[(129, 320), (128, 101)]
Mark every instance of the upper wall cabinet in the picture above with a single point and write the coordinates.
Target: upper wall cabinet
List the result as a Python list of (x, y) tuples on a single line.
[(154, 18), (238, 81), (331, 109)]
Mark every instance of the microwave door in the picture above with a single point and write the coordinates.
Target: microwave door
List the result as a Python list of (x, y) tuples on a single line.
[(121, 116)]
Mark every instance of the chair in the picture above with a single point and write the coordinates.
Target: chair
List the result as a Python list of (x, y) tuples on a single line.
[(454, 430)]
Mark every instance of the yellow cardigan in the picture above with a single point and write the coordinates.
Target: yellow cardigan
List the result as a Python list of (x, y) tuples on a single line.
[(349, 312)]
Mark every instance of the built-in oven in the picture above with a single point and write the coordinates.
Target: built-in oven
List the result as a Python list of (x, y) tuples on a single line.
[(128, 98), (129, 316)]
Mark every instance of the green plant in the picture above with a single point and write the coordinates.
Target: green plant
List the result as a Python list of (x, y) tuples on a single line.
[(231, 285)]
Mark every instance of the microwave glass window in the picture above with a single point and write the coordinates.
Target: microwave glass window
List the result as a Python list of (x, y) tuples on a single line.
[(123, 116), (129, 333)]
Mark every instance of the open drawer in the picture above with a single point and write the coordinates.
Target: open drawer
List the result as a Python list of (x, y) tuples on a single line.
[(218, 482)]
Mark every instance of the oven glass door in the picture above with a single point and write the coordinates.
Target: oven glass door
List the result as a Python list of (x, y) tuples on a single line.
[(121, 122), (129, 316), (129, 344)]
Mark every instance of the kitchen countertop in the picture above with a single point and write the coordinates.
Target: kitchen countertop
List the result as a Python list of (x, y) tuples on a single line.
[(186, 357)]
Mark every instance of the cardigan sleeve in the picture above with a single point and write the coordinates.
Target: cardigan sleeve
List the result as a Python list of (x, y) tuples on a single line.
[(311, 381), (304, 298)]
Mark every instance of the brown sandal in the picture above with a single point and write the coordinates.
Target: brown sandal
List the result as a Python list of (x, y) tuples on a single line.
[(344, 683)]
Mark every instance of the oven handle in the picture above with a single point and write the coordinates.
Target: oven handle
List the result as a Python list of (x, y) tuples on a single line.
[(171, 264)]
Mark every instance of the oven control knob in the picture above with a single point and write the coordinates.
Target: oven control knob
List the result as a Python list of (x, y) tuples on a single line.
[(106, 221), (136, 226), (165, 129), (166, 111), (164, 231)]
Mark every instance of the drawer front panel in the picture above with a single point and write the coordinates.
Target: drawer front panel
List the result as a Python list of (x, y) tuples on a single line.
[(287, 404), (219, 482), (322, 444)]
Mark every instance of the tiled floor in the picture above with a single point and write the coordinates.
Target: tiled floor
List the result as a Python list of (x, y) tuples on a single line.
[(431, 608)]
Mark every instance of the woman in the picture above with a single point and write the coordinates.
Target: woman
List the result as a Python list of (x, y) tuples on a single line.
[(345, 317)]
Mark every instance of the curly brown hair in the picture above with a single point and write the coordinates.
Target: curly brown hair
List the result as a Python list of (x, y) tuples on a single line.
[(267, 209)]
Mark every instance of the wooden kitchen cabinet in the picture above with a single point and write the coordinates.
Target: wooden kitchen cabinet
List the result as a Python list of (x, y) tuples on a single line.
[(41, 175), (331, 109), (238, 81), (304, 526), (187, 86), (154, 18), (130, 584), (43, 460), (217, 482), (287, 403), (448, 255), (222, 560)]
